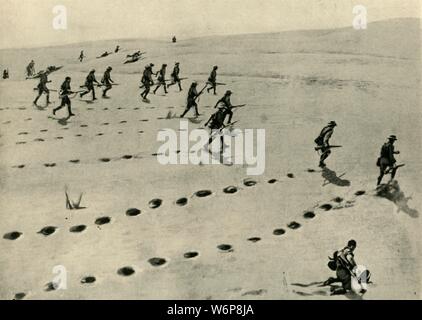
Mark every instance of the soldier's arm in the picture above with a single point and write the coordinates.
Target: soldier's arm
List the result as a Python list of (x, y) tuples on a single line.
[(327, 138)]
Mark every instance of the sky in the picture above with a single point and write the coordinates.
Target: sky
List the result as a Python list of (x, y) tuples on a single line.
[(29, 23)]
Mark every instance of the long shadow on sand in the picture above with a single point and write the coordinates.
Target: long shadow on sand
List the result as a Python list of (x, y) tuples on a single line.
[(321, 291), (330, 176), (393, 193), (61, 121)]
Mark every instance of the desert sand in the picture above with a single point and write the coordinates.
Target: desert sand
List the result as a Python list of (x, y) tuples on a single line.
[(266, 240)]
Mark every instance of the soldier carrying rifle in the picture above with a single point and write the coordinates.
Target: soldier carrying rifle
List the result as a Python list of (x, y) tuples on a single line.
[(386, 161), (192, 96), (323, 142), (65, 91)]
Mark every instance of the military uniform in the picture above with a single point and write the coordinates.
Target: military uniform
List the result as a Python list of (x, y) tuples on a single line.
[(161, 79), (147, 80), (89, 84), (42, 87), (65, 90), (106, 80), (191, 100), (212, 80), (175, 77), (225, 103), (323, 141), (386, 159)]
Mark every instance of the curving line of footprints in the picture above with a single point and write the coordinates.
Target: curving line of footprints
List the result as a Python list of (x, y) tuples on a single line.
[(126, 271)]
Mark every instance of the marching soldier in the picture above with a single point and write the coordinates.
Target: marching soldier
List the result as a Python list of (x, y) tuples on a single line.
[(323, 142), (117, 49), (386, 162), (81, 56), (161, 79), (191, 101), (216, 125), (89, 84), (106, 80), (65, 91), (175, 76), (42, 87), (147, 81), (212, 80)]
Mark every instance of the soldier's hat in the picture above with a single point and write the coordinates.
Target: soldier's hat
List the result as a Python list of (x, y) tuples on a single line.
[(194, 83), (92, 71), (228, 92), (215, 67), (177, 63), (68, 78), (109, 68), (151, 64), (392, 137), (164, 65), (332, 123)]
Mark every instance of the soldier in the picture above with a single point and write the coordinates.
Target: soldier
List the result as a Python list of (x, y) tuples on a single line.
[(212, 80), (191, 101), (226, 104), (65, 90), (175, 76), (30, 69), (106, 80), (323, 142), (161, 79), (81, 56), (6, 74), (89, 84), (387, 160), (147, 81), (216, 125), (117, 49), (344, 264), (42, 87)]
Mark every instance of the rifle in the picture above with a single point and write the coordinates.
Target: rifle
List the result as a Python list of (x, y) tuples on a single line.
[(328, 147), (70, 93), (220, 84), (393, 169), (200, 92), (53, 90), (238, 106)]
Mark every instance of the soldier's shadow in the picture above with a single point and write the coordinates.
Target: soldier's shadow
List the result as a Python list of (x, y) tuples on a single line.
[(330, 176), (393, 193)]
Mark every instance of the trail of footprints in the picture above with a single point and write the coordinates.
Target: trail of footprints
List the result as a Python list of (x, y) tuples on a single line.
[(127, 271)]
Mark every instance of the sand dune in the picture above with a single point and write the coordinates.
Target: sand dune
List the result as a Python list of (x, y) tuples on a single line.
[(148, 231)]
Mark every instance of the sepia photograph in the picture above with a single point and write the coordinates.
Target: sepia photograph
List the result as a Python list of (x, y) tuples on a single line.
[(211, 151)]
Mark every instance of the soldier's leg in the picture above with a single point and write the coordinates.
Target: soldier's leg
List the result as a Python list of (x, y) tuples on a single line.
[(62, 104), (48, 95), (196, 108), (165, 86), (93, 93), (180, 85), (40, 91), (324, 156), (156, 88), (382, 172), (230, 113), (69, 107), (189, 105)]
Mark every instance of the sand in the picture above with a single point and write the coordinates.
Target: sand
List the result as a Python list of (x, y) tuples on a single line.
[(239, 245)]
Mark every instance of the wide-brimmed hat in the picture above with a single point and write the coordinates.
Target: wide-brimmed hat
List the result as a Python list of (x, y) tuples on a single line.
[(332, 123), (392, 137), (228, 92)]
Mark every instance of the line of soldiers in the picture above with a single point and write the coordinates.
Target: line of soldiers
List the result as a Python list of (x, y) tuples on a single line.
[(386, 161)]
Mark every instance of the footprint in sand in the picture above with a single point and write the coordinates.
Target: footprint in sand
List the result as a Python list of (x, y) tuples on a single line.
[(254, 292), (21, 142), (225, 247), (105, 159), (290, 175), (100, 134), (20, 166), (203, 193), (46, 231), (230, 189), (83, 125), (102, 220), (58, 138), (279, 232), (133, 212), (294, 225), (105, 124), (309, 215), (127, 157), (49, 165), (338, 199), (155, 203), (360, 192), (78, 228), (272, 181), (39, 140), (74, 161), (22, 133), (182, 202), (326, 207), (12, 235), (249, 182), (88, 280), (19, 296), (156, 262), (43, 130), (123, 121), (190, 254), (78, 135), (254, 239)]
